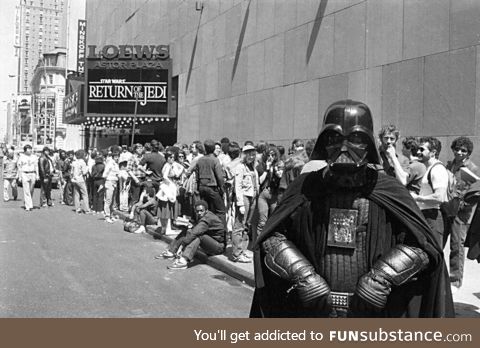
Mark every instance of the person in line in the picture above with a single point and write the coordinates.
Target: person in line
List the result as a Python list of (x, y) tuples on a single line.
[(152, 163), (10, 176), (246, 187), (133, 168), (415, 170), (457, 226), (392, 163), (167, 194), (28, 173), (67, 178), (46, 170), (433, 191), (110, 174), (98, 187), (348, 240), (145, 211), (211, 180), (272, 171), (208, 233), (79, 174)]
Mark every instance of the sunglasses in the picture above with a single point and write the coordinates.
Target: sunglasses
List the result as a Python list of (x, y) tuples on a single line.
[(421, 149), (181, 156)]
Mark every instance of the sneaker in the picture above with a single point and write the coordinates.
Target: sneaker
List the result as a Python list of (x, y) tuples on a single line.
[(44, 205), (242, 259), (109, 220), (115, 218), (141, 229), (167, 254), (78, 211), (179, 263), (28, 209)]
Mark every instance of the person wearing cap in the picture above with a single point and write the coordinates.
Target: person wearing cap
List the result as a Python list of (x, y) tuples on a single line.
[(28, 173), (246, 187), (46, 170)]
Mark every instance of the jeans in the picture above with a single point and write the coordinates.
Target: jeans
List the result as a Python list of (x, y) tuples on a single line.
[(457, 229), (135, 191), (215, 202), (208, 244), (242, 227), (435, 221), (110, 187), (267, 202), (68, 192), (80, 196), (7, 183), (28, 183), (98, 197), (46, 190), (146, 218)]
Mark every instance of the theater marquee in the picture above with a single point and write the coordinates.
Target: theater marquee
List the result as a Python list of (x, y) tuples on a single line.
[(118, 78)]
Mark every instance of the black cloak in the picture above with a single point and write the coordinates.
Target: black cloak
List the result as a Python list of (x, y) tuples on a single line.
[(472, 241), (429, 295)]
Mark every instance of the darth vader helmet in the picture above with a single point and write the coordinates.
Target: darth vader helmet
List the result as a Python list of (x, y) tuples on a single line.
[(346, 141)]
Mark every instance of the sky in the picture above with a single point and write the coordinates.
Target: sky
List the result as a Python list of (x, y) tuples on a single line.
[(8, 62)]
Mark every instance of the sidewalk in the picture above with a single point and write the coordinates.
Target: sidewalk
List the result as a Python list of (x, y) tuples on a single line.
[(240, 271), (466, 299)]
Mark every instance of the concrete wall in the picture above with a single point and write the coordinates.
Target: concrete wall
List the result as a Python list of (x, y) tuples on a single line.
[(267, 69)]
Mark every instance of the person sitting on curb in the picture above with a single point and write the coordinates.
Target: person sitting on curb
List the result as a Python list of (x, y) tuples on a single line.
[(144, 212), (208, 232)]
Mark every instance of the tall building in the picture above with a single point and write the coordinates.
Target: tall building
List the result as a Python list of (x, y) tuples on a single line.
[(39, 29)]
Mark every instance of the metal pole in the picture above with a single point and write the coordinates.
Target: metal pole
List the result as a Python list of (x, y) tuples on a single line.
[(134, 118)]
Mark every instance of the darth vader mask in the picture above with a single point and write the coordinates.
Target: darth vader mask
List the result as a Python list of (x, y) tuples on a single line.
[(346, 141)]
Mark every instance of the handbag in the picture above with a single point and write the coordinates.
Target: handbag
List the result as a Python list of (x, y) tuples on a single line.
[(167, 192)]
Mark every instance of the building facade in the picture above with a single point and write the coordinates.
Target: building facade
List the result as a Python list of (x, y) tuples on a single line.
[(39, 28), (268, 69)]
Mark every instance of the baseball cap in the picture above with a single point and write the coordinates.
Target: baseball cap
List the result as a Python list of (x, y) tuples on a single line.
[(248, 148)]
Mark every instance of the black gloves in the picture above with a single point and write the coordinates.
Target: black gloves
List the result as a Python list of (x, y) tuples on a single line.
[(395, 268)]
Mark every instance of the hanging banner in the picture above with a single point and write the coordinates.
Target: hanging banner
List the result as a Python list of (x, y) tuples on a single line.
[(81, 43)]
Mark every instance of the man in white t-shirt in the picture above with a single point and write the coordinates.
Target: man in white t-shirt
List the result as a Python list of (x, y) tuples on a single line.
[(433, 192)]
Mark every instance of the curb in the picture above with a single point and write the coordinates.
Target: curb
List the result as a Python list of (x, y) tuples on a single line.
[(219, 262)]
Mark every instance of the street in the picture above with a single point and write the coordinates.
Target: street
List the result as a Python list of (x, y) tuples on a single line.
[(57, 264)]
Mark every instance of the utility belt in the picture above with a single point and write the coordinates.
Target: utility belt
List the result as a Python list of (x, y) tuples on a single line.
[(341, 302)]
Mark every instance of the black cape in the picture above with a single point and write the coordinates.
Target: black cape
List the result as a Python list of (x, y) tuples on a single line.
[(390, 205), (472, 241)]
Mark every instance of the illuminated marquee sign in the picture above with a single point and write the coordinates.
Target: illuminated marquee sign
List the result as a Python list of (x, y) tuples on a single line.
[(122, 77)]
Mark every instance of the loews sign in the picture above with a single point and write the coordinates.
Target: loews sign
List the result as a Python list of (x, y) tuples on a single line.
[(120, 77)]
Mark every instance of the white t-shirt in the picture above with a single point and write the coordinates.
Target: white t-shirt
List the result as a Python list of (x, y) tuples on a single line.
[(439, 179)]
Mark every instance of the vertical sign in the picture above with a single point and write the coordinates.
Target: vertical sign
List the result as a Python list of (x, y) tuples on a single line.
[(82, 36)]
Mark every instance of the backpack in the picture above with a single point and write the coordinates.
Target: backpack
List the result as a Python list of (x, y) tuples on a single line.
[(450, 207)]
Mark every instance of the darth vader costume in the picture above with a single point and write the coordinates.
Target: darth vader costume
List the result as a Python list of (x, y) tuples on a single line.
[(348, 240)]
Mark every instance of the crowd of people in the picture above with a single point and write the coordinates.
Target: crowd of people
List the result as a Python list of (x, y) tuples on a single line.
[(225, 191), (222, 183)]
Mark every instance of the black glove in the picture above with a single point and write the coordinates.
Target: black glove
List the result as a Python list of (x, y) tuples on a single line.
[(286, 261), (395, 268)]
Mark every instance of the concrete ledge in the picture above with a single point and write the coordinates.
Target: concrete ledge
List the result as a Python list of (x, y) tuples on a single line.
[(240, 271)]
